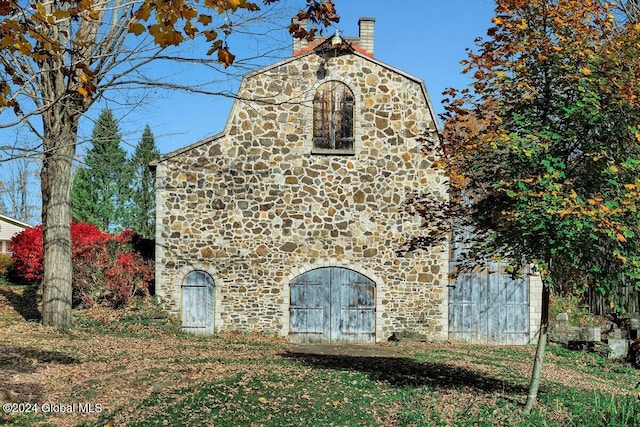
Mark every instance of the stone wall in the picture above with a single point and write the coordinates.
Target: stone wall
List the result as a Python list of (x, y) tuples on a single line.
[(255, 208)]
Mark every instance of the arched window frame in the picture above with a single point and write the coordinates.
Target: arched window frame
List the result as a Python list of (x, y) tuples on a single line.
[(333, 119)]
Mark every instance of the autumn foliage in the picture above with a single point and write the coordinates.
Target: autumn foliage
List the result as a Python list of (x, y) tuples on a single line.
[(543, 148), (60, 57), (27, 253), (168, 24), (107, 269), (6, 262)]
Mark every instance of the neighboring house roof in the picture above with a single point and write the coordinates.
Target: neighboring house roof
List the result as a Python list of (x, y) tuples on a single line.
[(316, 48), (15, 222), (9, 227)]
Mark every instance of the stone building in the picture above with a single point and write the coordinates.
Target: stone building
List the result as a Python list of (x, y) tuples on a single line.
[(289, 222)]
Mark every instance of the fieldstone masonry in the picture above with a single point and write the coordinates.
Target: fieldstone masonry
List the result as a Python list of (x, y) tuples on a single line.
[(255, 208)]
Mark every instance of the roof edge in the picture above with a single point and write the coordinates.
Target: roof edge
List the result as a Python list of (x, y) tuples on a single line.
[(364, 55), (188, 147), (14, 221)]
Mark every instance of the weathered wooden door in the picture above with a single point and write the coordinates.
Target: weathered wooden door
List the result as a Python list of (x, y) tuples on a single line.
[(197, 303), (488, 306), (332, 305)]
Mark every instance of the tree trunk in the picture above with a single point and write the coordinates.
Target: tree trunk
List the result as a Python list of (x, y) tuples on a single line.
[(60, 133), (534, 385)]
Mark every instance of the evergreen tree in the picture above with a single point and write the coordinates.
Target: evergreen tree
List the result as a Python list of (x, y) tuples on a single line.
[(101, 189), (143, 191)]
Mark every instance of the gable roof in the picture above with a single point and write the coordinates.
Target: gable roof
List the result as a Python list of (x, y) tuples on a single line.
[(184, 149), (322, 46), (353, 51)]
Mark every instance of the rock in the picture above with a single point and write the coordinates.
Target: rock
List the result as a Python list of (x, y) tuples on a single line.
[(618, 348), (615, 334), (590, 333)]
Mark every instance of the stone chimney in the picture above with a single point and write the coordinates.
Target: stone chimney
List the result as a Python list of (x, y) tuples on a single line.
[(366, 33), (299, 44)]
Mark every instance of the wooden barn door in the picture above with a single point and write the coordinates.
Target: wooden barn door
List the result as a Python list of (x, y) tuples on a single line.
[(332, 305), (488, 306), (197, 303)]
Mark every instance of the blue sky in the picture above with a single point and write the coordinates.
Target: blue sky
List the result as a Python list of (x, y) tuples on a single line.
[(426, 38)]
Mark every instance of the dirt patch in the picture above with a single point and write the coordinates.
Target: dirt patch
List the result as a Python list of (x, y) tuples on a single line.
[(345, 350)]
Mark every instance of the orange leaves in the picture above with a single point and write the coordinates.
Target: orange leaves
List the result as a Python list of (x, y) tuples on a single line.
[(211, 36), (137, 28), (7, 7), (621, 258), (565, 212), (205, 19), (528, 155), (165, 35), (144, 12), (57, 33), (176, 19), (190, 29), (85, 80), (323, 12), (225, 57)]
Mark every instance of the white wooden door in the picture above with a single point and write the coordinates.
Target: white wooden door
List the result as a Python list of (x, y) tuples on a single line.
[(197, 303)]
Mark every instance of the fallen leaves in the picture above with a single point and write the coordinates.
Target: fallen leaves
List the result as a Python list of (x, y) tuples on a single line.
[(120, 365)]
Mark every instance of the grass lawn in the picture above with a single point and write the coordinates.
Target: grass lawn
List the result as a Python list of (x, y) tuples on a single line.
[(134, 368)]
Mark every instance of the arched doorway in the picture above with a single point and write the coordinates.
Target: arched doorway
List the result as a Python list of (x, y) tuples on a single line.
[(332, 305), (197, 303)]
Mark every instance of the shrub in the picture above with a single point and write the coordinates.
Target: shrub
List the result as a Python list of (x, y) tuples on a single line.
[(107, 269), (574, 306), (5, 264), (27, 253)]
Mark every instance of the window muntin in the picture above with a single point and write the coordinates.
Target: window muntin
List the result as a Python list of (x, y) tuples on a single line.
[(333, 110)]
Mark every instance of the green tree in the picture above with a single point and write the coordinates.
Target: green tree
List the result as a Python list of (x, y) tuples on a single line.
[(143, 185), (542, 150), (101, 188)]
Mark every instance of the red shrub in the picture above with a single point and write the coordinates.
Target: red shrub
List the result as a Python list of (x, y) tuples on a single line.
[(106, 268), (83, 233), (27, 253), (125, 277)]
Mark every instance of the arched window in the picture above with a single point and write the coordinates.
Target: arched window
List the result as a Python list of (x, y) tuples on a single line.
[(333, 117)]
